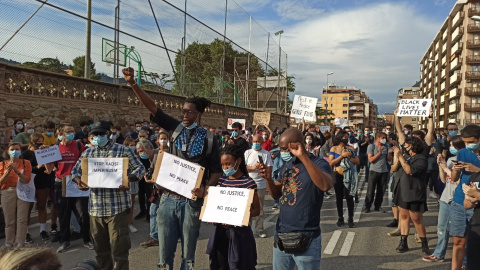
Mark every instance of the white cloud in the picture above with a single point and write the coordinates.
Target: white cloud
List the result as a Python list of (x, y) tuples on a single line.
[(296, 10), (376, 48)]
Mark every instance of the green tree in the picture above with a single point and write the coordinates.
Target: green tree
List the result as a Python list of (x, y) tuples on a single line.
[(47, 64), (321, 112), (78, 68), (290, 83)]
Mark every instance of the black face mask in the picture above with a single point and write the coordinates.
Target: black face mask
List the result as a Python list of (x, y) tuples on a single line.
[(344, 141), (37, 145)]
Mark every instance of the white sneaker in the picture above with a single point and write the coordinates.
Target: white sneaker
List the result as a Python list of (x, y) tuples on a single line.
[(432, 195), (262, 235), (132, 229)]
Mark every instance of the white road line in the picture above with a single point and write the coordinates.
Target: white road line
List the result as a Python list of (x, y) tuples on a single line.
[(347, 245), (361, 202), (333, 242)]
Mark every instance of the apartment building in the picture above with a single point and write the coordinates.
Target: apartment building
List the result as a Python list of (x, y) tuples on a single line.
[(410, 93), (451, 68), (352, 104)]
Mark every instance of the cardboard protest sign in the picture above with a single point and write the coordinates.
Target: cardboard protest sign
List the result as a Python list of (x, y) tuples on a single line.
[(414, 107), (70, 188), (261, 118), (48, 155), (104, 172), (323, 129), (340, 122), (233, 120), (227, 206), (304, 107), (177, 175), (26, 192)]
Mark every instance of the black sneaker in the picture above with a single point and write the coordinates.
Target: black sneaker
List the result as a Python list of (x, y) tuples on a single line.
[(350, 223), (340, 222), (379, 209), (366, 210), (63, 247), (28, 239), (54, 231), (141, 215), (393, 224), (56, 238), (44, 235)]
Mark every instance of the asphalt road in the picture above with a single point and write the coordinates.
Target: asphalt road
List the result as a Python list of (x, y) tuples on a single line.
[(366, 246)]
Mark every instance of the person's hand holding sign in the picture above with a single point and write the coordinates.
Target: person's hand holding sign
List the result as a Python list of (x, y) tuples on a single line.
[(80, 185), (199, 192)]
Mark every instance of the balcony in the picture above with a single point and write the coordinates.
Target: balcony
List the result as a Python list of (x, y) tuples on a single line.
[(457, 47), (444, 61), (472, 28), (458, 18), (472, 75), (442, 111), (473, 59), (472, 91), (442, 99), (475, 107), (456, 63), (444, 36), (442, 86), (444, 48), (453, 108), (357, 115), (455, 77), (473, 11), (473, 44), (457, 34), (472, 121), (456, 92), (357, 100), (356, 108)]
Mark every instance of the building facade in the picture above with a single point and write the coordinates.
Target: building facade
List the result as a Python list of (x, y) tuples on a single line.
[(352, 104), (451, 68), (413, 92)]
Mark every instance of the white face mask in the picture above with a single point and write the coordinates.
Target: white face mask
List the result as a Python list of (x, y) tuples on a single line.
[(163, 142), (30, 131), (308, 141), (264, 137), (383, 141)]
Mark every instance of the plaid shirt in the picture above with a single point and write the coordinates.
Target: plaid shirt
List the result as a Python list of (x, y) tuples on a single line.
[(106, 202)]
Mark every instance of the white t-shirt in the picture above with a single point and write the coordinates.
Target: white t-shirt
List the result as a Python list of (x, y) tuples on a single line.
[(251, 157), (450, 186)]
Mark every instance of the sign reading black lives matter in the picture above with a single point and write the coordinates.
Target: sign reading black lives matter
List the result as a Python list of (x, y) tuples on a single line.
[(48, 155), (414, 107), (227, 206), (178, 175), (304, 107)]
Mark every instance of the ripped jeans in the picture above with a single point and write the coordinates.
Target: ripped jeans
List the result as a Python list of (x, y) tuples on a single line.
[(176, 219), (442, 229)]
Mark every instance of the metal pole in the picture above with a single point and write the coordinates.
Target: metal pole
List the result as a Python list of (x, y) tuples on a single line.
[(286, 81), (266, 68), (88, 40), (247, 75), (326, 104), (279, 70), (223, 55), (115, 46), (184, 42)]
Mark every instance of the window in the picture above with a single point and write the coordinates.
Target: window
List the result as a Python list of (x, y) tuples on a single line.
[(414, 119), (345, 99), (331, 99), (345, 105), (326, 99), (331, 105), (344, 112)]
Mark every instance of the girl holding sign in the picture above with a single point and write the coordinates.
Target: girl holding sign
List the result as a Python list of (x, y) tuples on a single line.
[(233, 247), (12, 170)]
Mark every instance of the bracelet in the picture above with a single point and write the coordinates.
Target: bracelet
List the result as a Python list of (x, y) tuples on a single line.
[(132, 85)]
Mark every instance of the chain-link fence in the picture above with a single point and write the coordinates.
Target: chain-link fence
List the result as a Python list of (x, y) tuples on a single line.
[(224, 52)]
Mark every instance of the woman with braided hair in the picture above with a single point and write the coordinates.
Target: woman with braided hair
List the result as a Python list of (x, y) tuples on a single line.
[(232, 247)]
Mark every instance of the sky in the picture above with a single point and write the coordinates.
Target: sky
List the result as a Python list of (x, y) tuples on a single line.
[(373, 45)]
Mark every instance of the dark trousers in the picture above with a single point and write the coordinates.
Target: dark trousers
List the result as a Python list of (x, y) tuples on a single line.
[(57, 200), (340, 191), (144, 193), (376, 181), (111, 240), (363, 164), (77, 205), (432, 177)]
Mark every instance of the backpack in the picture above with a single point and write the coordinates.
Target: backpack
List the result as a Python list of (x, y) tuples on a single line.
[(210, 138)]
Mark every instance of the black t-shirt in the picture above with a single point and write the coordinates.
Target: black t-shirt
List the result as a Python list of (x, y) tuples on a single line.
[(242, 143), (362, 149), (475, 221), (211, 163)]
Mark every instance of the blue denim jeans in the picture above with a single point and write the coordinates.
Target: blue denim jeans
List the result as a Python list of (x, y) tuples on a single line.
[(443, 229), (176, 219), (153, 221), (308, 260)]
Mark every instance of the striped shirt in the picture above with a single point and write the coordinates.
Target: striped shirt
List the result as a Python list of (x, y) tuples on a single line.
[(107, 202), (243, 182)]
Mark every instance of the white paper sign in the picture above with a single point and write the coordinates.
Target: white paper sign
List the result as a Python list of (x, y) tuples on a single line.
[(48, 155), (233, 120), (72, 189), (304, 107), (105, 172), (324, 128), (178, 175), (226, 205), (26, 192), (414, 107)]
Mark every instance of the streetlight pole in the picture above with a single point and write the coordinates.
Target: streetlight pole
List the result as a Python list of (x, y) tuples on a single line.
[(279, 33), (88, 40), (433, 91), (326, 100)]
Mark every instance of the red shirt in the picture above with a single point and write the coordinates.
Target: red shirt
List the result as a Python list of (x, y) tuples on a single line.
[(70, 156), (267, 145)]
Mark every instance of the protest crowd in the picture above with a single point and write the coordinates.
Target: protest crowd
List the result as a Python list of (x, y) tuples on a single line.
[(298, 167)]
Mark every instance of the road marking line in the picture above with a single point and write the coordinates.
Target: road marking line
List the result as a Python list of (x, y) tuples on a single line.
[(361, 203), (333, 242), (347, 245)]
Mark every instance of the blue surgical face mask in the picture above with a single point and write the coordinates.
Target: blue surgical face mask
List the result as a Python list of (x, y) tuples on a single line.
[(70, 136), (60, 137), (367, 132), (113, 137), (453, 150), (452, 133), (230, 171), (349, 133), (132, 148), (156, 135), (50, 134), (14, 153), (100, 140), (234, 134), (286, 156), (192, 126), (374, 132), (19, 126), (256, 146), (472, 146), (144, 156)]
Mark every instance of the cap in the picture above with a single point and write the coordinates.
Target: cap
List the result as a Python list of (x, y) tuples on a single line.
[(100, 127)]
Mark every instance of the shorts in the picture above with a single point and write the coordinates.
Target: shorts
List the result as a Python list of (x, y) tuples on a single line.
[(134, 188), (41, 182), (459, 216)]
